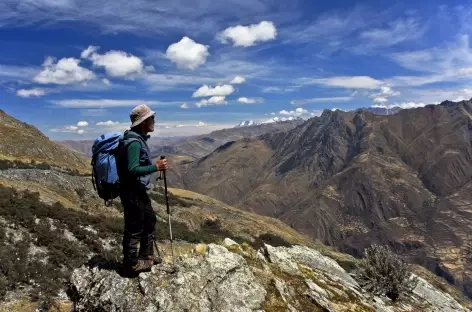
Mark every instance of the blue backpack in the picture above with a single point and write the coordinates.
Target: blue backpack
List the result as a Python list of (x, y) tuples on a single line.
[(106, 150)]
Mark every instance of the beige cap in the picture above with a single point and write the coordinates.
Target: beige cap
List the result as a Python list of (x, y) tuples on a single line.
[(139, 114)]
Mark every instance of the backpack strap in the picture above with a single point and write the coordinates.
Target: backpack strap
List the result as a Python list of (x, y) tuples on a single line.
[(93, 173)]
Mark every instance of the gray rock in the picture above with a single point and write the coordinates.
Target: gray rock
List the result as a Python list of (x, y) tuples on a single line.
[(224, 281), (228, 242), (221, 281), (439, 300)]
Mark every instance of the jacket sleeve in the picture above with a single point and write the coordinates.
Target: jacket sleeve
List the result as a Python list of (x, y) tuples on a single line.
[(134, 166)]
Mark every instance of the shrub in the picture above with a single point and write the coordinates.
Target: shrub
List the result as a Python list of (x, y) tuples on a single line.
[(383, 272)]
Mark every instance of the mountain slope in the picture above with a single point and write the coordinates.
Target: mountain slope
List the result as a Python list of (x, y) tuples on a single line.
[(353, 179), (25, 143)]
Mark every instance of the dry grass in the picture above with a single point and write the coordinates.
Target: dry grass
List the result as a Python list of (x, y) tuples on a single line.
[(47, 195), (25, 305), (240, 222)]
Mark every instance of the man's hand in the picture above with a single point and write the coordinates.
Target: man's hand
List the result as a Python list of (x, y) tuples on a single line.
[(162, 165)]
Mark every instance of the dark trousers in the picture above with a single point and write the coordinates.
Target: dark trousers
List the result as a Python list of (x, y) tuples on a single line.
[(140, 222)]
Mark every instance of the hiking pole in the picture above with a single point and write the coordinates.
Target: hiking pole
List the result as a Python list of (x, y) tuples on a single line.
[(168, 213)]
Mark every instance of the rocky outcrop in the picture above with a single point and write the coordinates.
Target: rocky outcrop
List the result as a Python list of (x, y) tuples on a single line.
[(272, 279)]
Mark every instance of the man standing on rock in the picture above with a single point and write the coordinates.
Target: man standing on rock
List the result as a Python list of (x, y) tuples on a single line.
[(135, 167)]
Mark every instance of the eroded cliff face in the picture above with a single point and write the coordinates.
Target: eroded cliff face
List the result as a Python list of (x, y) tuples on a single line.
[(238, 278)]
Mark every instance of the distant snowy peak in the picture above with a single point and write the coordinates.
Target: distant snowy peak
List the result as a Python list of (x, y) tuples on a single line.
[(247, 123)]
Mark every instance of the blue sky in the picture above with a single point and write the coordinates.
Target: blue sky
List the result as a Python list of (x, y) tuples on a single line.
[(76, 68)]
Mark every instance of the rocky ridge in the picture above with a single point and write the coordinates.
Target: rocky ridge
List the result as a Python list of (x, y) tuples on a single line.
[(237, 278)]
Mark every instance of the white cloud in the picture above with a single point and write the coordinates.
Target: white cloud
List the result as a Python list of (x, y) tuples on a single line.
[(184, 106), (116, 63), (36, 92), (296, 113), (205, 90), (380, 100), (246, 36), (388, 91), (108, 123), (273, 114), (238, 80), (201, 124), (79, 103), (106, 81), (82, 124), (87, 52), (246, 100), (68, 129), (187, 53), (215, 100), (321, 100), (405, 105), (65, 71), (352, 82)]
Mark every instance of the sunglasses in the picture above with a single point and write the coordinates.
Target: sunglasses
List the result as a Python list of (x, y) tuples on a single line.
[(152, 117)]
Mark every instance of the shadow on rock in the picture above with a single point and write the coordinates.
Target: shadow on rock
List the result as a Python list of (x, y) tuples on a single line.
[(103, 263)]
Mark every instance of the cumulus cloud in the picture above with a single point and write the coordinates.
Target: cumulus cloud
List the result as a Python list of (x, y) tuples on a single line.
[(246, 36), (201, 124), (106, 81), (380, 100), (238, 80), (107, 123), (187, 54), (87, 52), (383, 95), (206, 90), (388, 91), (69, 129), (36, 92), (65, 71), (82, 124), (116, 63), (246, 100), (295, 113), (215, 100), (184, 106)]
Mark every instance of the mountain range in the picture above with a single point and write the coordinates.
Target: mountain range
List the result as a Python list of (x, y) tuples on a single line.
[(351, 179), (198, 146)]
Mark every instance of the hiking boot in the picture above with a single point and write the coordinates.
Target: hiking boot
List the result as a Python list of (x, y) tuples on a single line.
[(141, 266), (155, 260)]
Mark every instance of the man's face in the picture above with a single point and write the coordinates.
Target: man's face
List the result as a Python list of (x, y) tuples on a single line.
[(149, 124)]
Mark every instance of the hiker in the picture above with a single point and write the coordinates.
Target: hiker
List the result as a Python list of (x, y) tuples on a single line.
[(134, 170)]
